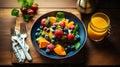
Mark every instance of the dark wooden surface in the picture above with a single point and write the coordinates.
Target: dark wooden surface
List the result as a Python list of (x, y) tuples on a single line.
[(106, 52)]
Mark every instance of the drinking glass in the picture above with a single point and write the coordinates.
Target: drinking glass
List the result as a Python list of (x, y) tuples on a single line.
[(98, 26)]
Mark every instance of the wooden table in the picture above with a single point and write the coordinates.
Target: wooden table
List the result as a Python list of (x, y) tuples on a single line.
[(106, 52)]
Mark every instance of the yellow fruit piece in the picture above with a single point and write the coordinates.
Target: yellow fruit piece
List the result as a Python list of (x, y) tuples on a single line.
[(52, 19), (43, 42), (50, 33), (70, 24), (66, 22), (59, 50), (44, 32)]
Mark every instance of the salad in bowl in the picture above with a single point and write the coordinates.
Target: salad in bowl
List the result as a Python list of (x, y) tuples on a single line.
[(58, 34)]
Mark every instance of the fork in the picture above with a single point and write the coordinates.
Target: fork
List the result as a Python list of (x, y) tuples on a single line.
[(18, 52), (23, 36), (20, 38)]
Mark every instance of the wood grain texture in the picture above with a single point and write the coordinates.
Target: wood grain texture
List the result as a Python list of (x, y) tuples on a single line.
[(42, 3), (6, 21)]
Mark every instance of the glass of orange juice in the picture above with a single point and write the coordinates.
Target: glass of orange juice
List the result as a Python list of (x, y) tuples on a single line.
[(98, 26)]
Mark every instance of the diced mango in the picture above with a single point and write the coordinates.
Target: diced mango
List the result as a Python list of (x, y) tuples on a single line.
[(52, 19), (70, 24), (50, 33), (59, 50), (43, 42), (44, 32), (66, 22)]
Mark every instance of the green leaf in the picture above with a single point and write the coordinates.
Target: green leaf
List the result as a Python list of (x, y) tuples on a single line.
[(60, 16), (77, 45), (26, 4), (26, 17), (30, 2), (20, 1), (48, 20), (59, 19), (38, 38), (15, 12), (76, 29)]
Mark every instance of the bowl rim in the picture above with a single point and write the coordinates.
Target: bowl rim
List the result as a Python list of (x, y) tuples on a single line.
[(61, 56)]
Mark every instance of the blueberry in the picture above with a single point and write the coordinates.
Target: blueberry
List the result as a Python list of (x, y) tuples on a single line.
[(65, 29), (72, 47), (46, 37), (47, 51), (41, 27), (54, 37), (52, 41), (67, 50), (77, 37), (53, 27), (53, 31), (38, 29), (37, 34), (68, 47), (65, 33), (48, 30)]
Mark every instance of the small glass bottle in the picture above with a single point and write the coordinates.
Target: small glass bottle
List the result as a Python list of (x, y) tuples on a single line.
[(85, 6)]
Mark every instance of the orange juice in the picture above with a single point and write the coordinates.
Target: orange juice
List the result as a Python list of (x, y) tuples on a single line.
[(97, 28)]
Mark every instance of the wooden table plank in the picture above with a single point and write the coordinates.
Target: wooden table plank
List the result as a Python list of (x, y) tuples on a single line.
[(42, 3), (6, 21)]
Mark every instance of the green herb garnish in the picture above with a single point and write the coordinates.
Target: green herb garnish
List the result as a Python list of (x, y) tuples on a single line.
[(77, 45), (60, 16), (15, 12)]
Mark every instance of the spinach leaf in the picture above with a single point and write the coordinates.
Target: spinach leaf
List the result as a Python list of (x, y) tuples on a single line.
[(60, 16), (76, 30), (77, 45), (15, 12)]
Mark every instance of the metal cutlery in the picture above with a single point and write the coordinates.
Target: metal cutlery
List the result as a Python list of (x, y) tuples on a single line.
[(23, 36), (20, 38), (16, 47), (19, 44)]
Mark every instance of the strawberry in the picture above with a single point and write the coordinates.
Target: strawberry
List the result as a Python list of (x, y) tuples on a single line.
[(43, 21), (34, 7), (59, 33), (45, 28), (62, 24), (50, 47), (30, 11), (24, 10), (70, 37), (72, 27)]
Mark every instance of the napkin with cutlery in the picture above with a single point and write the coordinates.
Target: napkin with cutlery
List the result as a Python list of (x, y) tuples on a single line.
[(19, 44)]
